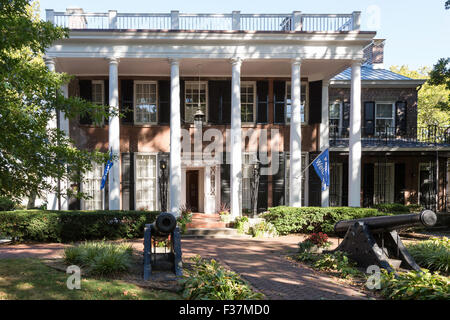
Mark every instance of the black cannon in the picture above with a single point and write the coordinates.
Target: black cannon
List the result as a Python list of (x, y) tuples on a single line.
[(163, 229), (375, 240)]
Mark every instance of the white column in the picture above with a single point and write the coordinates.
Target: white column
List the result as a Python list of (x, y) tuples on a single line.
[(324, 134), (236, 139), (64, 126), (114, 135), (52, 197), (295, 142), (354, 157), (175, 137)]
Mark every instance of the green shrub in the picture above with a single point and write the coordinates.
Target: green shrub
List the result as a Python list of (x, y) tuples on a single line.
[(335, 261), (415, 208), (100, 258), (395, 208), (415, 285), (433, 254), (208, 280), (6, 204), (313, 219), (263, 229), (66, 226), (242, 224)]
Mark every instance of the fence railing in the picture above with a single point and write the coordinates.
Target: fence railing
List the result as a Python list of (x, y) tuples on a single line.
[(385, 134), (295, 21)]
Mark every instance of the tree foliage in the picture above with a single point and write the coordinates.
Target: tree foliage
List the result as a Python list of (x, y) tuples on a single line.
[(433, 99), (32, 154)]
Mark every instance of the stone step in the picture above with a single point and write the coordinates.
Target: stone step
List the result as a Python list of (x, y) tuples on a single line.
[(205, 224), (212, 233), (395, 263)]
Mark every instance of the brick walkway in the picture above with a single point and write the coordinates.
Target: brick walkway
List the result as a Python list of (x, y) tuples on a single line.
[(260, 262)]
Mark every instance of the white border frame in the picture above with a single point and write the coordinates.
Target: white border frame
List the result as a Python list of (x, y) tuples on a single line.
[(82, 201), (375, 115), (253, 83), (135, 82), (157, 207)]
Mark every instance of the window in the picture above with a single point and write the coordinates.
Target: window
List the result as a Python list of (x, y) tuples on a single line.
[(335, 184), (248, 106), (195, 94), (247, 176), (383, 183), (91, 187), (98, 92), (286, 177), (145, 98), (146, 196), (384, 118), (303, 101), (335, 118)]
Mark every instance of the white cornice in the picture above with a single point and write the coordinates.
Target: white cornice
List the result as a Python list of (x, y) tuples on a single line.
[(413, 83)]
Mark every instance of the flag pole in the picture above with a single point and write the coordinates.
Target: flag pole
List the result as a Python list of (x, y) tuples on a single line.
[(313, 161)]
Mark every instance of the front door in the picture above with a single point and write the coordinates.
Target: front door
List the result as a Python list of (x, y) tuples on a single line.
[(192, 189)]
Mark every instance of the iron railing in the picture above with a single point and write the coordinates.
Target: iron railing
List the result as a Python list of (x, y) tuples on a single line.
[(385, 135), (295, 21)]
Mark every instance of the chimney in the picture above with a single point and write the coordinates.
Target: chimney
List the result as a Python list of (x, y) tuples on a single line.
[(76, 18), (374, 54)]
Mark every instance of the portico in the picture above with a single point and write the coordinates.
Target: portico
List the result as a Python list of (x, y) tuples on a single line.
[(243, 58)]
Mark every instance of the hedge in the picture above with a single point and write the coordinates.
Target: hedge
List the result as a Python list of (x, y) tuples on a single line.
[(313, 219), (66, 226)]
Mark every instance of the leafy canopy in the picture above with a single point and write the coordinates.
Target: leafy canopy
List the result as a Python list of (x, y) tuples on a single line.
[(433, 98), (32, 154)]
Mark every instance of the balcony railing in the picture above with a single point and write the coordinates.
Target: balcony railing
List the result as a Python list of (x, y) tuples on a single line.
[(295, 21), (421, 136)]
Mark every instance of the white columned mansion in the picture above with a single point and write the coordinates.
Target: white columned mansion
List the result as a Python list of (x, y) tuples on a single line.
[(262, 82)]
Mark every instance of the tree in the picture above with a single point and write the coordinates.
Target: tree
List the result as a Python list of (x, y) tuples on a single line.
[(431, 97), (447, 4), (32, 155), (440, 75)]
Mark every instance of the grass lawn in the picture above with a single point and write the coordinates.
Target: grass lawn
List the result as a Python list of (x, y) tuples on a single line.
[(31, 279)]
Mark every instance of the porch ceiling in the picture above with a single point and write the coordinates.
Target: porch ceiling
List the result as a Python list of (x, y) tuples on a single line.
[(313, 69)]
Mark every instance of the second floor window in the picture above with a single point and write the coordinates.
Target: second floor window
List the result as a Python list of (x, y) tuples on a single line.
[(384, 118), (145, 102), (195, 94), (335, 117), (248, 91), (303, 101)]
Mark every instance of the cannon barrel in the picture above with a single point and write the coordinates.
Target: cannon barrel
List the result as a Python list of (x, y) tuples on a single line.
[(164, 224), (426, 218)]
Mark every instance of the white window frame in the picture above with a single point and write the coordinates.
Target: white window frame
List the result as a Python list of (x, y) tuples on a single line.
[(206, 98), (136, 154), (305, 107), (377, 118), (83, 201), (340, 103), (253, 84), (136, 82), (389, 183)]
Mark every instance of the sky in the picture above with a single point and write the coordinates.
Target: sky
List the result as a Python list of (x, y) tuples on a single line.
[(417, 32)]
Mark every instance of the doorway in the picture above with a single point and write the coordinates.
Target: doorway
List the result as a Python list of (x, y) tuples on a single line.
[(192, 188)]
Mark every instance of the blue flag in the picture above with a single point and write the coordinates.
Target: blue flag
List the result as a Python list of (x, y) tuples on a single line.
[(322, 166), (108, 166)]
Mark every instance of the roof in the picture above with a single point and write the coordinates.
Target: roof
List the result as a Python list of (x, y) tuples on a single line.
[(369, 73)]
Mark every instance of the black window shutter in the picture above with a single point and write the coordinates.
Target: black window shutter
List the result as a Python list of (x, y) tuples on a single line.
[(399, 183), (86, 94), (127, 88), (315, 185), (279, 93), (400, 118), (164, 101), (182, 101), (368, 185), (225, 188), (106, 192), (344, 184), (262, 191), (346, 117), (214, 101), (369, 118), (315, 102), (106, 96), (127, 181), (262, 98), (226, 102), (278, 197)]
